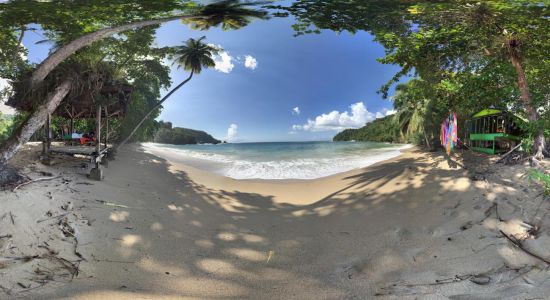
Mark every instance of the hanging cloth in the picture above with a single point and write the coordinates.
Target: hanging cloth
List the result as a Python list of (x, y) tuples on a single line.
[(449, 133)]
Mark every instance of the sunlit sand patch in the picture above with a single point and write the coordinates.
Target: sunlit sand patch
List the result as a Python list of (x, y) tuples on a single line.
[(515, 258), (196, 223), (227, 236), (325, 210), (204, 244), (247, 254), (174, 207), (156, 226), (216, 266), (153, 265), (232, 205), (130, 240), (204, 287), (119, 216), (252, 238), (299, 213), (459, 185)]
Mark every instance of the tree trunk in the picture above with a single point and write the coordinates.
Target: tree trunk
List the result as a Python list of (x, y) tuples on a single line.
[(532, 114), (33, 122), (152, 110), (64, 52)]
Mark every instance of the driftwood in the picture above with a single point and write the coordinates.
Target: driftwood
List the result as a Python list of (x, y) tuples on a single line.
[(509, 152), (51, 218), (520, 246), (34, 180)]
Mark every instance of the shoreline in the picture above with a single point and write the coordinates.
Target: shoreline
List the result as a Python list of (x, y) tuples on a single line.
[(163, 152), (282, 190)]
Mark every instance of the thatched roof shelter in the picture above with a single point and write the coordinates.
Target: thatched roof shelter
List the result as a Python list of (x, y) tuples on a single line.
[(114, 97)]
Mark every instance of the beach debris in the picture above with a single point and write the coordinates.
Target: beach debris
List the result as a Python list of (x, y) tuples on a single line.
[(65, 227), (518, 244), (23, 286), (111, 204), (5, 236), (481, 279), (51, 217), (67, 206), (270, 255), (11, 218), (33, 181)]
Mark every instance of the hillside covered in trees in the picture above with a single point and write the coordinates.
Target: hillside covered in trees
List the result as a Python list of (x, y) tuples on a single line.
[(167, 134), (379, 130)]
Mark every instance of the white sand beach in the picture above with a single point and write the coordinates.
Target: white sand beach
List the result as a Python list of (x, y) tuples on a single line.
[(416, 226)]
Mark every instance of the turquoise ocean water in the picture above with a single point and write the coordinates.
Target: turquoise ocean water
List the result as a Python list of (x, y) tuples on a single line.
[(278, 160)]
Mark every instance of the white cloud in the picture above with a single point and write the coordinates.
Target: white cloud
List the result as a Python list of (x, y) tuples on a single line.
[(296, 111), (389, 112), (385, 112), (250, 62), (232, 132), (357, 117), (223, 62)]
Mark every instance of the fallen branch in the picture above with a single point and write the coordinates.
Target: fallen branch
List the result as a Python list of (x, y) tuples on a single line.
[(54, 217), (520, 246), (6, 236), (509, 152), (33, 181)]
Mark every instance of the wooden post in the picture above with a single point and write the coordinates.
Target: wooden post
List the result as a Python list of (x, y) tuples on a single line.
[(98, 130), (106, 127), (97, 173), (48, 132)]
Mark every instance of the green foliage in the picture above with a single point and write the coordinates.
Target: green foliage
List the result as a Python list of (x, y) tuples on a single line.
[(182, 136), (194, 55), (542, 178), (6, 124), (379, 130), (459, 52)]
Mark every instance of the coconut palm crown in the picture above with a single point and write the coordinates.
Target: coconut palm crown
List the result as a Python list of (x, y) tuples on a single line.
[(194, 55), (230, 14)]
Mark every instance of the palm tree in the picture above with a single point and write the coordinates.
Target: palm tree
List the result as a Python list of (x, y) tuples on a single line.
[(193, 56), (231, 14)]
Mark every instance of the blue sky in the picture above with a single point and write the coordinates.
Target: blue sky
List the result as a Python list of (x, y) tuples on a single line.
[(332, 79)]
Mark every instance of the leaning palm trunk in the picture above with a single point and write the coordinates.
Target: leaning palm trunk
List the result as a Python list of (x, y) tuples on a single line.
[(152, 110), (33, 122), (64, 52), (532, 114)]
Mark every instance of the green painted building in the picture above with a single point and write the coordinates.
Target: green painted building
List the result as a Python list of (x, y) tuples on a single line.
[(493, 131)]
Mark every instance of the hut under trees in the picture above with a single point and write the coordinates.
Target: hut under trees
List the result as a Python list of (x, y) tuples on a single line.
[(95, 96)]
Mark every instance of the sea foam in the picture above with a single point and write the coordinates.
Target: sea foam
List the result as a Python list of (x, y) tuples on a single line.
[(249, 163)]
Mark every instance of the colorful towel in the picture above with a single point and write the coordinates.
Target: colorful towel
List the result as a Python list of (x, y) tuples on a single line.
[(449, 133)]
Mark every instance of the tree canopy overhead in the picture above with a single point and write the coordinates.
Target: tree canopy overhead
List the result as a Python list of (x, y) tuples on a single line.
[(473, 53)]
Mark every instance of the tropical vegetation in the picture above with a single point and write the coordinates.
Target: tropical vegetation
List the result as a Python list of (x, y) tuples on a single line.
[(167, 134), (97, 42), (463, 56)]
